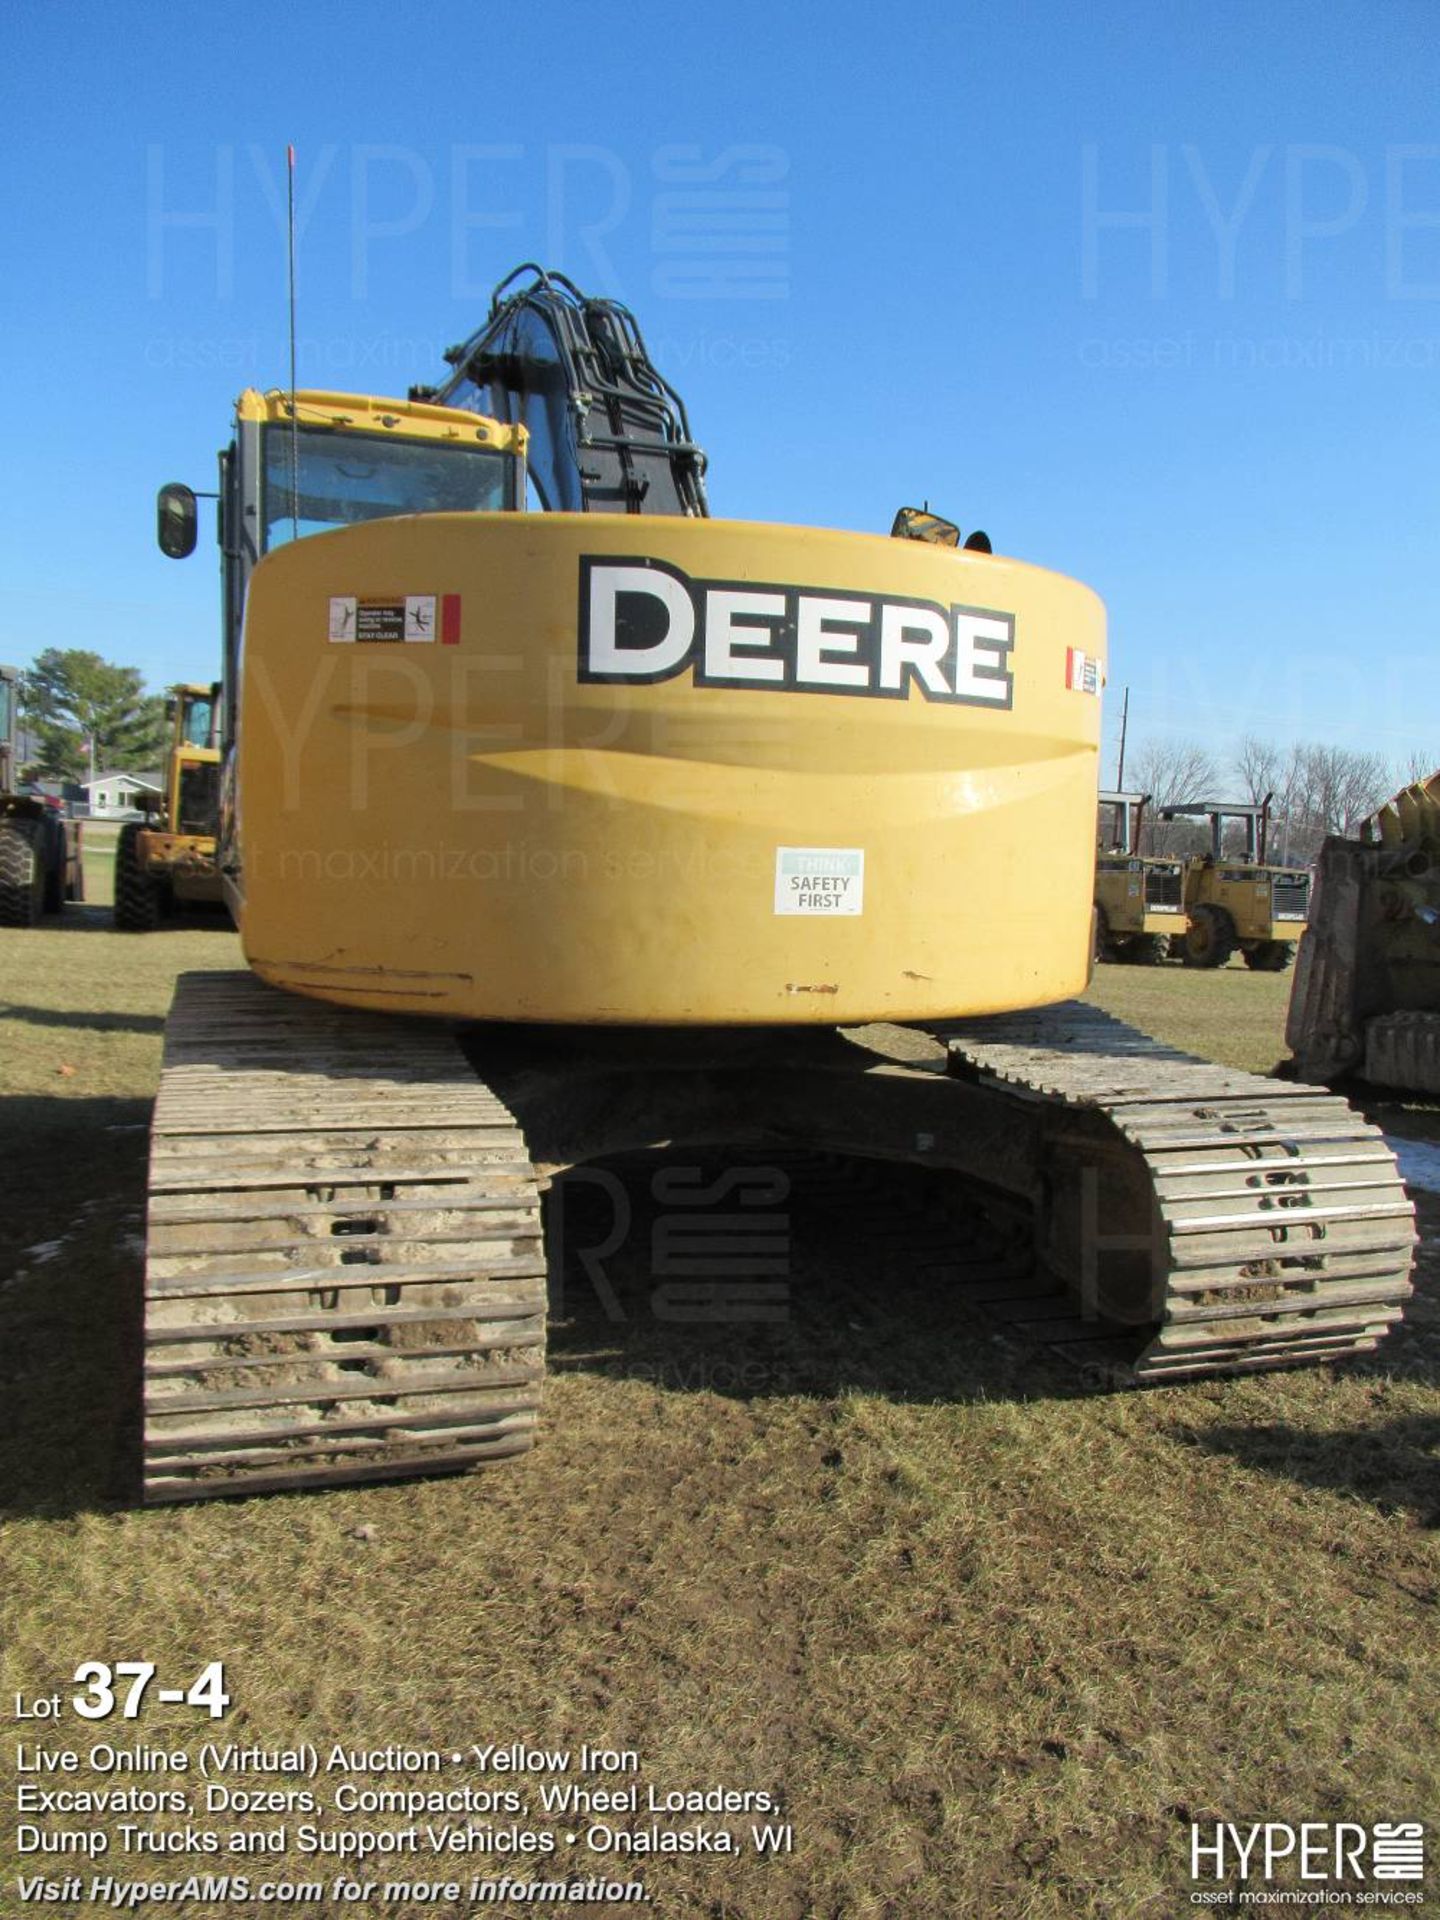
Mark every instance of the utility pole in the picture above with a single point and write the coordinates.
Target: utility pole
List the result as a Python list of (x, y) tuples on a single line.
[(1124, 726)]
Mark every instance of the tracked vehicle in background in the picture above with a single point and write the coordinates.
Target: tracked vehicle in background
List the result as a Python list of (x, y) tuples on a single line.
[(689, 813), (1366, 995)]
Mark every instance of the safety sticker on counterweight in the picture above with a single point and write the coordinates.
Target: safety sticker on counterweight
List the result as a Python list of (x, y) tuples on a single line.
[(1083, 672), (819, 880), (389, 617)]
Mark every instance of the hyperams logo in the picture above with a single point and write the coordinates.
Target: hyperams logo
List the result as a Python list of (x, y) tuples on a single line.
[(642, 621)]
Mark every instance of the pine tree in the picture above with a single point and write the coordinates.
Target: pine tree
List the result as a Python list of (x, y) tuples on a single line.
[(70, 698)]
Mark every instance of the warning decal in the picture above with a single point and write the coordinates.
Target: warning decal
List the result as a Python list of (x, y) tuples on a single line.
[(820, 881), (399, 617), (1083, 672)]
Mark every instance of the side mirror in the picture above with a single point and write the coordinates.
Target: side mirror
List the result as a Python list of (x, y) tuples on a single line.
[(918, 523), (175, 520)]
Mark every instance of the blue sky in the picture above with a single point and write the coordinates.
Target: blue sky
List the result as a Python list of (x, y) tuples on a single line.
[(1153, 294)]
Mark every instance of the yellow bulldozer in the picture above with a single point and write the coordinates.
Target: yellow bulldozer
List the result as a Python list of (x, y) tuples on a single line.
[(1239, 900), (1365, 999), (724, 832), (1139, 901), (168, 860)]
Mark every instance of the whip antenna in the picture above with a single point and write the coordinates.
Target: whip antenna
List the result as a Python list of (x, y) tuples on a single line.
[(294, 415)]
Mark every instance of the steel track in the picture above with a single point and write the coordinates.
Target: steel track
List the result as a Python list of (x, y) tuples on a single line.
[(346, 1279), (1278, 1232)]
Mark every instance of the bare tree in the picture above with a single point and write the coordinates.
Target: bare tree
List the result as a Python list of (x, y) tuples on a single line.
[(1414, 767), (1315, 789), (1260, 764), (1289, 834), (1265, 772), (1341, 787), (1171, 771)]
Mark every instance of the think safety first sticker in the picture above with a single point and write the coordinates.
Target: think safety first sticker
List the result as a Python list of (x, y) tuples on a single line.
[(1083, 672), (819, 880), (417, 618)]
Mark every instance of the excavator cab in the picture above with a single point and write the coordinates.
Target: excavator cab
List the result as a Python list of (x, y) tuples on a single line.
[(319, 462)]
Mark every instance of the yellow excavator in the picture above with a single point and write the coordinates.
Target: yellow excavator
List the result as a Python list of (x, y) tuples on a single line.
[(725, 832), (167, 861)]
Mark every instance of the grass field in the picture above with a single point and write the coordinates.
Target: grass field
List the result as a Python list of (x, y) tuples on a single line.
[(994, 1644)]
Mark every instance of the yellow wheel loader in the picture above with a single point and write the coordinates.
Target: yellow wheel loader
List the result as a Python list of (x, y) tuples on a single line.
[(1240, 902), (40, 858), (1365, 999), (168, 860), (1139, 902), (689, 813)]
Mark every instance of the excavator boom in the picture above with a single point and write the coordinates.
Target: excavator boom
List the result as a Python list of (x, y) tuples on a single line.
[(607, 433)]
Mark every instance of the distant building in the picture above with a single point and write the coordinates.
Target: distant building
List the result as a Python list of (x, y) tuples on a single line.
[(119, 796)]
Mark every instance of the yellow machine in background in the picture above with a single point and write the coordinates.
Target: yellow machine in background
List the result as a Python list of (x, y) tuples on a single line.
[(169, 860), (721, 789), (1139, 903), (1240, 902)]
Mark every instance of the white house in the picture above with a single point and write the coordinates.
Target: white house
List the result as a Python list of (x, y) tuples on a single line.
[(117, 796)]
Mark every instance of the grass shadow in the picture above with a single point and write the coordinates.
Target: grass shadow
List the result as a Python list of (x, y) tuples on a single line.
[(91, 1022), (71, 1264), (98, 917), (91, 918), (759, 1275), (1394, 1465)]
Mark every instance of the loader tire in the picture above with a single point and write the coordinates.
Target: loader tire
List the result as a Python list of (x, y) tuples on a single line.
[(1150, 949), (1270, 956), (22, 873), (1210, 937), (137, 898)]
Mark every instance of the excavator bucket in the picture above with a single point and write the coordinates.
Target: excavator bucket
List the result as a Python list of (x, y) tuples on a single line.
[(1366, 995)]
